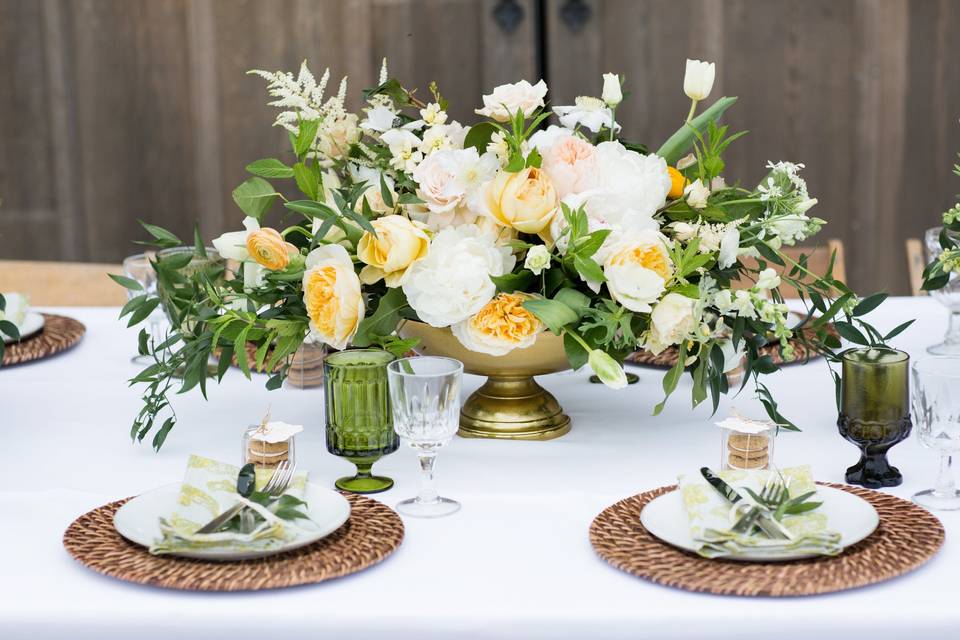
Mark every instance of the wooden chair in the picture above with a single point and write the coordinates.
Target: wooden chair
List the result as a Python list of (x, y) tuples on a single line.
[(818, 259), (63, 284), (916, 263)]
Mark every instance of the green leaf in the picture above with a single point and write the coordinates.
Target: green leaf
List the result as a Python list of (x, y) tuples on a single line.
[(409, 198), (9, 329), (385, 192), (672, 378), (577, 356), (198, 247), (254, 197), (275, 382), (898, 329), (384, 320), (240, 350), (555, 315), (123, 281), (574, 299), (270, 168), (312, 209), (307, 179), (850, 332), (510, 282), (161, 435), (534, 158), (680, 142), (479, 136), (308, 131), (588, 245), (143, 310), (132, 304), (163, 237), (588, 268), (869, 303)]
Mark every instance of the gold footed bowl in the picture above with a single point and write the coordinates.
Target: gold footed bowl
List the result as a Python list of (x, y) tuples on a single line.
[(510, 404)]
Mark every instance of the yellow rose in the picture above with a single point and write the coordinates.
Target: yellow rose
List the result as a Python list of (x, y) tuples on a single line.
[(398, 244), (332, 294), (525, 201), (637, 269), (268, 248), (501, 326)]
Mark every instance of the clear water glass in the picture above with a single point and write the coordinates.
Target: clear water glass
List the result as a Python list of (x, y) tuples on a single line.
[(139, 268), (948, 296), (425, 396), (936, 416)]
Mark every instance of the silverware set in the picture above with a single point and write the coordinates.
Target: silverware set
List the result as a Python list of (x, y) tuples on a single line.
[(275, 487)]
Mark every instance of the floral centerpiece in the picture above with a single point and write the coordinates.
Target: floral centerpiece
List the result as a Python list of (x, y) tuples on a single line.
[(499, 233)]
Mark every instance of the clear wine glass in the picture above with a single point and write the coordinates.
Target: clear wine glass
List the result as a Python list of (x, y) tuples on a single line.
[(139, 268), (425, 396), (936, 417), (948, 296)]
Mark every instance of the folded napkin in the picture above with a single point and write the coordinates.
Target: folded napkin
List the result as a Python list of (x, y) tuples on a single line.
[(15, 309), (209, 488), (710, 516)]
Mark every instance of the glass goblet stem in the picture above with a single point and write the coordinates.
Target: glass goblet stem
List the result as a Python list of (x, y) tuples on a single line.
[(946, 485), (953, 329), (428, 492)]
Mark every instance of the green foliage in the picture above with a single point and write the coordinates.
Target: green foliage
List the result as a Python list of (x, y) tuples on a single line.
[(270, 168), (680, 142), (254, 197)]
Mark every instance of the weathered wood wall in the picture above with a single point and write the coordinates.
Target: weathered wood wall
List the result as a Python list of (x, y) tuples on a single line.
[(114, 110)]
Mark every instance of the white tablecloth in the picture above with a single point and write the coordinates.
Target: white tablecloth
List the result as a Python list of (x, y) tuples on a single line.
[(515, 562)]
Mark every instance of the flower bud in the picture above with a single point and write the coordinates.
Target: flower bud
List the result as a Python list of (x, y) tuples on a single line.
[(607, 369)]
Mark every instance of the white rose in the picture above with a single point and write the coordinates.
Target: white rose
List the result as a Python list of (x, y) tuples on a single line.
[(697, 194), (538, 259), (768, 279), (437, 184), (453, 281), (671, 321), (612, 91), (698, 79), (637, 269), (507, 99), (587, 112)]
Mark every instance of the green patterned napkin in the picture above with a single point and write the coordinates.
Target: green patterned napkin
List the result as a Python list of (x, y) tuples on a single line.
[(208, 489), (710, 516)]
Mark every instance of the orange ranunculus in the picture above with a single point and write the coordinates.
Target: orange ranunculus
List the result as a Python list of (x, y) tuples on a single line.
[(677, 183), (269, 249)]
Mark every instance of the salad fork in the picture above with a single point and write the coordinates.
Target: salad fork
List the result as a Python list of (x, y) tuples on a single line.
[(274, 488)]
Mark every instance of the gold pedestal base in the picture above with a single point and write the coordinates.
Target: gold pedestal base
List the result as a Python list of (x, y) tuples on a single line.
[(512, 408)]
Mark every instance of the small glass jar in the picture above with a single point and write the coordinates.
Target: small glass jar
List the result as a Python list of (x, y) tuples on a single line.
[(263, 452), (748, 449)]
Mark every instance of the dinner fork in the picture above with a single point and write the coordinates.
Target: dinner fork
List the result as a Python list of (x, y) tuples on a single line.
[(774, 492), (275, 487)]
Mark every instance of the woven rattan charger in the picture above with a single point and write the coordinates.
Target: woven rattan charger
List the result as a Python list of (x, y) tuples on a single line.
[(906, 537), (59, 333), (372, 533)]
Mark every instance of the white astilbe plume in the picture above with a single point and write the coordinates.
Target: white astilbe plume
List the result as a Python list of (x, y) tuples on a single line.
[(383, 72), (301, 98)]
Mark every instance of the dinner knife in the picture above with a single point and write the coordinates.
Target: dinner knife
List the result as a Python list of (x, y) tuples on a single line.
[(766, 522)]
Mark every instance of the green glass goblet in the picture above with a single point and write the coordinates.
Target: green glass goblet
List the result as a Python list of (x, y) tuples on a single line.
[(359, 422)]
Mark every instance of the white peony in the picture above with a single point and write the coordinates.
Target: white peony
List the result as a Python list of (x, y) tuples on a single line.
[(453, 282), (507, 99), (630, 187), (671, 321), (544, 139), (588, 112), (572, 164)]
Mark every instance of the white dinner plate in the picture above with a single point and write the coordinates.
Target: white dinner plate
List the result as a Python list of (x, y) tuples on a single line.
[(852, 516), (138, 521), (32, 323)]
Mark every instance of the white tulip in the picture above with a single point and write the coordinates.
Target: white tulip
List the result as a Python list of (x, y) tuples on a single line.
[(612, 91), (698, 80)]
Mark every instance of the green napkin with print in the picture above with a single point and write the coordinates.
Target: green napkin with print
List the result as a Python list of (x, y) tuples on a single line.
[(209, 488), (711, 516)]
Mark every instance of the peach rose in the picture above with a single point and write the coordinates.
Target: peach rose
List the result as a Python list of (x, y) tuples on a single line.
[(571, 163), (398, 244), (268, 248), (332, 294), (501, 326), (525, 201)]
